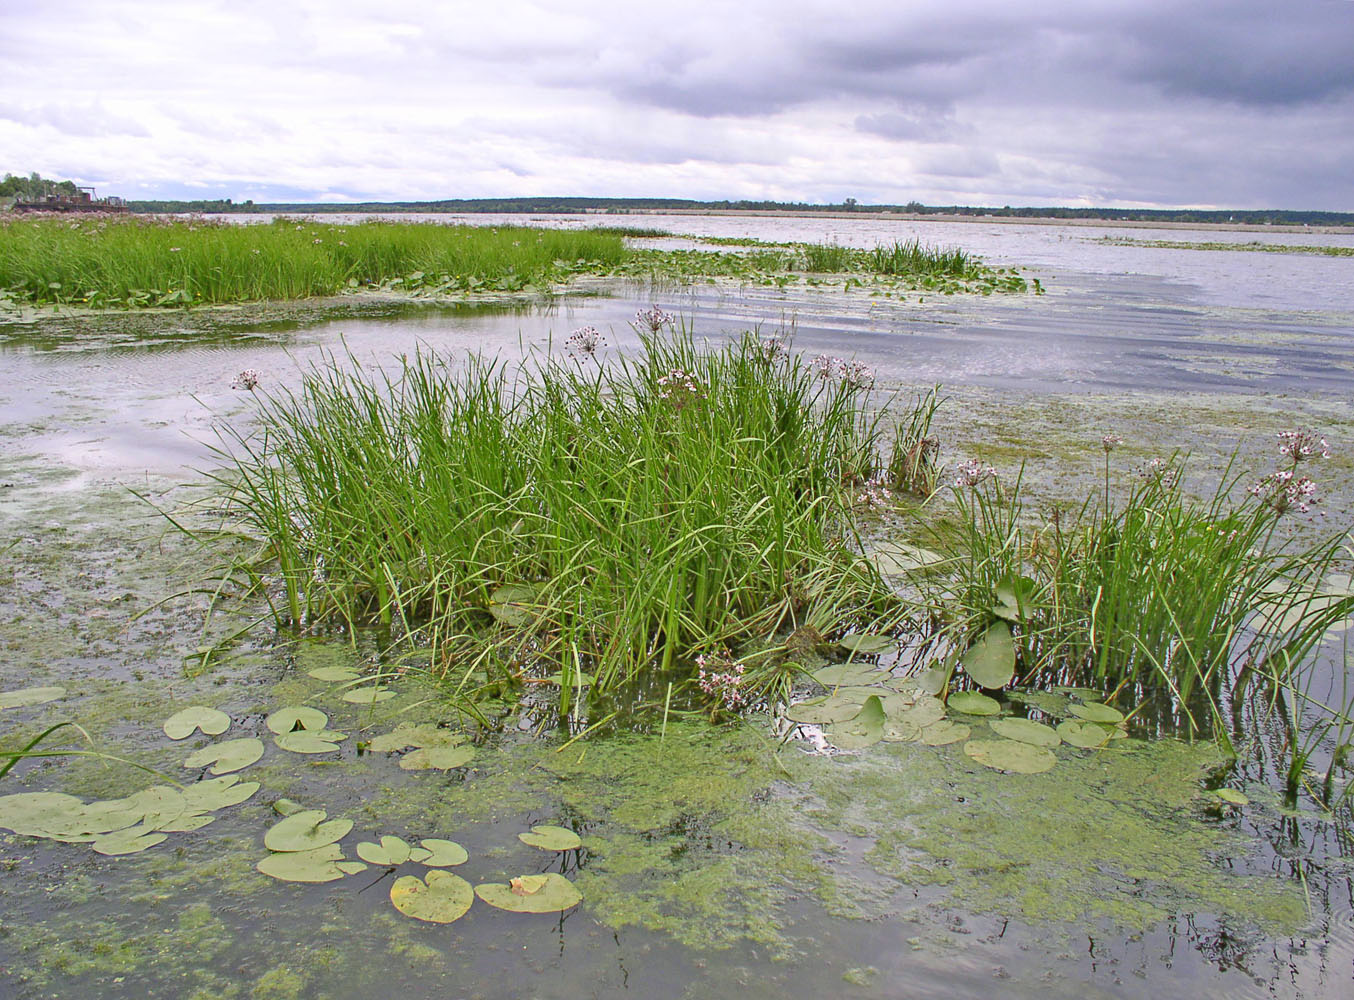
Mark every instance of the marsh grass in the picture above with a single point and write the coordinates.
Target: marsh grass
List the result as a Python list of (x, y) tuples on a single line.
[(608, 518), (130, 262)]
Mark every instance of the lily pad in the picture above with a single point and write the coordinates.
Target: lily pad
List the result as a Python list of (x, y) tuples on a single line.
[(900, 731), (390, 851), (865, 730), (34, 813), (550, 893), (576, 679), (132, 840), (972, 703), (218, 793), (182, 725), (444, 897), (923, 712), (437, 758), (294, 717), (333, 674), (411, 734), (1025, 731), (991, 660), (1009, 755), (23, 697), (821, 711), (943, 733), (515, 604), (1232, 796), (369, 694), (1086, 735), (443, 853), (849, 675), (1044, 701), (97, 818), (319, 864), (286, 807), (870, 645), (901, 559), (1288, 611), (305, 831), (551, 838), (232, 755), (1094, 711), (188, 822), (161, 805), (310, 741)]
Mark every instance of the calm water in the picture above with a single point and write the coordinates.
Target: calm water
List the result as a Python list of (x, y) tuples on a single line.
[(85, 416)]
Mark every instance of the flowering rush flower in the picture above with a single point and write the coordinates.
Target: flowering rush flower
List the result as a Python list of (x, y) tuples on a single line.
[(584, 342), (875, 496), (722, 679), (1302, 443), (1110, 441), (1284, 492), (654, 318), (1160, 470), (247, 379), (773, 348), (680, 388), (853, 373), (973, 473)]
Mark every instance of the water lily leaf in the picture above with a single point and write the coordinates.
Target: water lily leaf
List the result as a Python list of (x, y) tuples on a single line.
[(160, 805), (411, 734), (1025, 731), (554, 895), (515, 604), (294, 717), (319, 864), (921, 713), (1292, 610), (218, 793), (821, 711), (849, 674), (310, 741), (1043, 701), (188, 822), (1086, 735), (900, 731), (1008, 755), (859, 642), (97, 818), (437, 758), (23, 697), (991, 660), (369, 694), (551, 838), (444, 897), (333, 674), (901, 559), (286, 807), (231, 755), (129, 841), (943, 733), (1085, 694), (865, 730), (1232, 796), (182, 725), (34, 813), (305, 831), (1094, 711), (443, 853), (576, 679), (390, 851), (973, 703)]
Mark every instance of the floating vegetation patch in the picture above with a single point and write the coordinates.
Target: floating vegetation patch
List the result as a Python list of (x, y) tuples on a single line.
[(209, 721), (549, 893), (1010, 755), (1254, 246), (551, 838), (440, 899), (232, 755), (23, 697)]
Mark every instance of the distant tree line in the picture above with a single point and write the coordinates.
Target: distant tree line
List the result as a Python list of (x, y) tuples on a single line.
[(620, 206), (34, 186)]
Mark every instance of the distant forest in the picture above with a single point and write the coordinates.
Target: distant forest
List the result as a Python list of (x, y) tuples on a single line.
[(623, 206), (34, 186)]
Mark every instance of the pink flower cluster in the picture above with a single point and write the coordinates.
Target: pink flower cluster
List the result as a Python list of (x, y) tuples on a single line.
[(722, 679), (853, 373), (584, 342), (1110, 441), (875, 496), (973, 473), (1283, 491), (654, 318), (247, 379), (773, 348), (680, 388), (1302, 443), (1162, 471)]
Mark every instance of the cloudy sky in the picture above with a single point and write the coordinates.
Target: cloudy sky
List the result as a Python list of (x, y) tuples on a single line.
[(1208, 103)]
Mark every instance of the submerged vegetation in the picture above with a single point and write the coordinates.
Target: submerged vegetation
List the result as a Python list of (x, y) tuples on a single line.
[(133, 262), (1254, 246)]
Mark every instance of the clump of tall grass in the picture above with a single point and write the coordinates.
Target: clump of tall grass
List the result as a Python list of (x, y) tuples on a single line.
[(138, 261), (1154, 592), (613, 516), (901, 259)]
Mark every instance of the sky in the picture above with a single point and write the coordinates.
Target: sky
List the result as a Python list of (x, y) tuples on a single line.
[(1148, 103)]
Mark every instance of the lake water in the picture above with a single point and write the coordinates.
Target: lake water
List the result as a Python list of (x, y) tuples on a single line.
[(1186, 347)]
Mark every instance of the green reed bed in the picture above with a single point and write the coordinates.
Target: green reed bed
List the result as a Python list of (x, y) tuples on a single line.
[(122, 262), (602, 517)]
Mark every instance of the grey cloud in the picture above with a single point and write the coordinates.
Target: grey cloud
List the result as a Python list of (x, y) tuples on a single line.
[(918, 123), (81, 120)]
